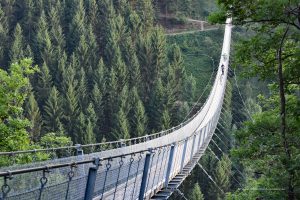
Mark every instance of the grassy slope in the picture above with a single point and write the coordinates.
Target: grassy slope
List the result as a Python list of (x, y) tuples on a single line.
[(196, 48)]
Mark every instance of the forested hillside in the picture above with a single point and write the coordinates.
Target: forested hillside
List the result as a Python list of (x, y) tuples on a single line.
[(105, 71)]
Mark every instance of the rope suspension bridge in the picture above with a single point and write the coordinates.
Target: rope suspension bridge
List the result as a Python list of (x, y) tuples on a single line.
[(148, 167)]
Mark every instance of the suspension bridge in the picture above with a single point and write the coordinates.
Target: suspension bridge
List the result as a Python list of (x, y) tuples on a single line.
[(148, 167)]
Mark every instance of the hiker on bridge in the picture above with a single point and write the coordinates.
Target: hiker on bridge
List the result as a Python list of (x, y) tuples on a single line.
[(222, 68)]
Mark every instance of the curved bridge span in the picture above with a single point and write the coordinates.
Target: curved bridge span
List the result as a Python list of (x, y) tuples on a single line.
[(151, 167)]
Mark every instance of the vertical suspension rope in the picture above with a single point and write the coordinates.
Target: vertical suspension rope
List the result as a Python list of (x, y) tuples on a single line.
[(108, 166), (137, 171), (120, 166), (128, 174)]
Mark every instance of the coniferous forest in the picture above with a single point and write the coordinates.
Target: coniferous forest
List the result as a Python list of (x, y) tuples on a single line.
[(104, 71)]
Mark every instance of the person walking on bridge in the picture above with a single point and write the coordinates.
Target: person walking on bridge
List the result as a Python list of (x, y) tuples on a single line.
[(222, 68)]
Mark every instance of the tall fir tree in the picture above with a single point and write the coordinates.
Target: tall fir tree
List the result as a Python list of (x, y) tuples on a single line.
[(32, 113), (196, 193), (77, 26), (44, 84), (18, 45), (3, 38), (28, 19), (53, 113), (222, 177), (97, 99), (121, 123), (138, 115)]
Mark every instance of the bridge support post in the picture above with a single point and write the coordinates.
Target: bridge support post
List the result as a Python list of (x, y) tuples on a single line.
[(192, 152), (145, 176), (79, 154), (170, 162), (200, 137), (79, 150), (183, 154), (89, 190)]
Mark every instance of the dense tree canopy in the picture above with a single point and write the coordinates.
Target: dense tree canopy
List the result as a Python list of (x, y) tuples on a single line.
[(268, 144)]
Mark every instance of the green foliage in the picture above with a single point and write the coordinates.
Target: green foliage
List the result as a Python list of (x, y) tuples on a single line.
[(33, 114), (53, 112), (221, 176), (93, 55), (14, 89), (267, 145), (52, 140), (196, 193)]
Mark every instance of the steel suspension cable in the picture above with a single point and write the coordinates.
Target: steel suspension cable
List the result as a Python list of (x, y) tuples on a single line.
[(210, 177)]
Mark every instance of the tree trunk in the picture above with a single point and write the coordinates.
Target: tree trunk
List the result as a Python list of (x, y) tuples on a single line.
[(291, 195)]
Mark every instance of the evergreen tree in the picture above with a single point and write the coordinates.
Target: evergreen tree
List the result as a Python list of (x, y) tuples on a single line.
[(77, 27), (99, 76), (132, 63), (165, 120), (43, 45), (196, 193), (155, 108), (121, 123), (17, 47), (28, 20), (56, 30), (152, 58), (221, 176), (146, 13), (91, 124), (139, 118), (82, 90), (106, 14), (71, 111), (44, 84), (3, 37), (32, 113), (97, 99), (53, 112), (92, 12)]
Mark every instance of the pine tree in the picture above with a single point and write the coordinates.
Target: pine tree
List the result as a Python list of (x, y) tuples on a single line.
[(9, 9), (97, 99), (106, 14), (196, 193), (151, 51), (28, 52), (43, 45), (44, 84), (17, 48), (132, 63), (91, 132), (92, 12), (53, 112), (82, 89), (146, 13), (155, 108), (3, 37), (56, 31), (28, 20), (32, 112), (121, 123), (99, 75), (71, 102), (165, 120), (111, 101), (139, 118), (77, 27), (222, 174)]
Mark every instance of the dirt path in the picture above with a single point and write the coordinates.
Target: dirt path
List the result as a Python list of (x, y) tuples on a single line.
[(191, 31)]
